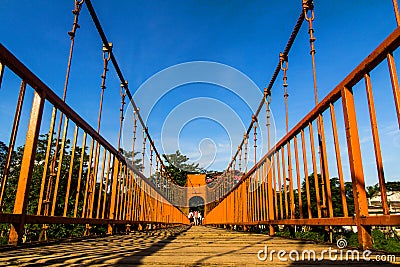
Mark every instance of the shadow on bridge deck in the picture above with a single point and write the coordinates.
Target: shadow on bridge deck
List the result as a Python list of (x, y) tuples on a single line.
[(114, 250), (195, 246)]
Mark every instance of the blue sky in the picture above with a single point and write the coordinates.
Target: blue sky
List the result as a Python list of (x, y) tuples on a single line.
[(246, 36)]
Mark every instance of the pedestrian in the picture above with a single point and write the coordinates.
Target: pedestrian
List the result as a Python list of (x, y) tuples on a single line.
[(191, 217), (196, 222), (199, 218)]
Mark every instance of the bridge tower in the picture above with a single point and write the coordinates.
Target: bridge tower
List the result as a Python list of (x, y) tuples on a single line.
[(196, 191)]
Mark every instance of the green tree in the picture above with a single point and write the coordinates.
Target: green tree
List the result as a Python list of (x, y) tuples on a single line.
[(3, 155), (337, 197), (392, 186), (178, 167), (372, 190), (55, 231), (137, 162), (335, 192)]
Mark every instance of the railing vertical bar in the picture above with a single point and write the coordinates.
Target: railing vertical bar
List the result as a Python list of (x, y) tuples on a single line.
[(99, 196), (327, 194), (88, 180), (126, 186), (275, 183), (71, 169), (251, 202), (315, 172), (107, 176), (13, 137), (257, 195), (264, 192), (356, 168), (377, 145), (291, 192), (338, 160), (81, 163), (2, 67), (303, 145), (122, 195), (396, 12), (129, 206), (93, 180), (46, 160), (395, 84), (269, 166), (27, 163), (113, 198), (279, 184), (299, 193), (59, 168), (284, 177)]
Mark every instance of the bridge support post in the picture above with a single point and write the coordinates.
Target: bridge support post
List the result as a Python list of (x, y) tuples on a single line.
[(356, 168), (271, 230), (25, 176)]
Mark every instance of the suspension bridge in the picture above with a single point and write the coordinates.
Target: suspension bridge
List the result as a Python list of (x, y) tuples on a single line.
[(68, 177)]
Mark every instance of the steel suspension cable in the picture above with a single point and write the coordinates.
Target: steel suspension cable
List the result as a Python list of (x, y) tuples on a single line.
[(285, 52), (308, 6), (135, 118), (255, 138), (106, 59), (284, 67), (103, 37), (121, 116), (46, 202), (245, 151), (396, 12), (267, 99)]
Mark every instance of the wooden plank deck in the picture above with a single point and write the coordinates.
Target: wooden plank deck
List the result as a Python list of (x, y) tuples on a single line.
[(195, 246)]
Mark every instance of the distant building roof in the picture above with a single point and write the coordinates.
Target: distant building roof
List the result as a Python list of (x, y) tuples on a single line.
[(392, 196), (375, 203)]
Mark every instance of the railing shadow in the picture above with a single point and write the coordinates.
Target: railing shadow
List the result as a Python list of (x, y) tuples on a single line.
[(108, 251)]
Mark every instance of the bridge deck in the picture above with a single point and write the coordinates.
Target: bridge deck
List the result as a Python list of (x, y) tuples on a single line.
[(196, 246)]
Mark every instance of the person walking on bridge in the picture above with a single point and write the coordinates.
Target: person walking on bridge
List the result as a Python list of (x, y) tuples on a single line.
[(191, 217), (199, 218), (196, 219)]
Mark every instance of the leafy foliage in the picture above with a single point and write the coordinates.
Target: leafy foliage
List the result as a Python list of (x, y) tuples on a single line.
[(137, 162), (336, 196), (381, 242), (32, 232), (178, 167)]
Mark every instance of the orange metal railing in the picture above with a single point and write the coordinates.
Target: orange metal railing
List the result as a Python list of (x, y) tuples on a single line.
[(271, 193), (86, 182)]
